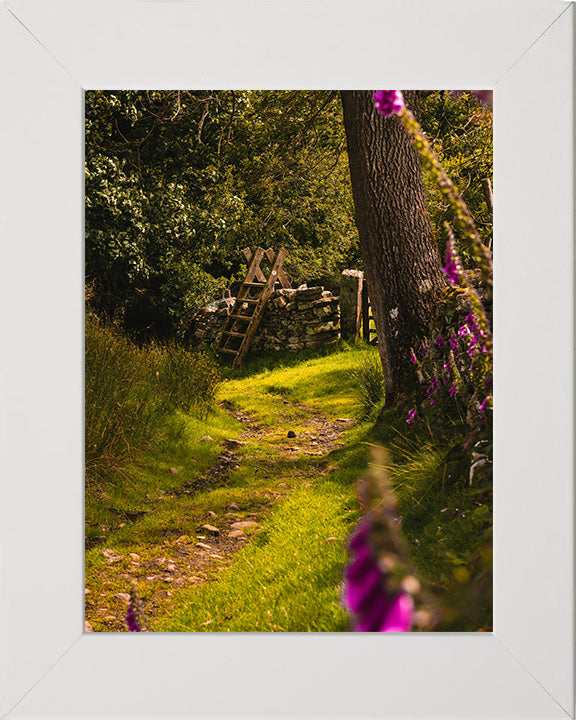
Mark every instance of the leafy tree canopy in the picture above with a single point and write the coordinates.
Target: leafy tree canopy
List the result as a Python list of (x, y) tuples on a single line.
[(178, 182)]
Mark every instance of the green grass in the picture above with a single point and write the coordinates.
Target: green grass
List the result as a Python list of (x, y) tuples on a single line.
[(130, 391), (287, 576), (288, 580), (135, 487), (445, 520), (327, 382)]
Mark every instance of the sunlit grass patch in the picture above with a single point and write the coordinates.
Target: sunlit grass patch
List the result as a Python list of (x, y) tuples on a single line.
[(326, 382), (288, 580)]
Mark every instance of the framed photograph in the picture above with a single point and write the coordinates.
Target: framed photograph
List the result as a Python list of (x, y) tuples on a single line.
[(53, 51)]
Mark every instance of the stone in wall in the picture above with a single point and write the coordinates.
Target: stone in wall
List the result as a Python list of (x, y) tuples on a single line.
[(294, 318)]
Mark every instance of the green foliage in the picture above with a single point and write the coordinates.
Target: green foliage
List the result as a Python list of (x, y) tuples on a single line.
[(131, 390), (446, 520), (370, 379), (460, 132)]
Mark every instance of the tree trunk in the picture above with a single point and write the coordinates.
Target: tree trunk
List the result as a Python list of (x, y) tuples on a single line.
[(401, 262)]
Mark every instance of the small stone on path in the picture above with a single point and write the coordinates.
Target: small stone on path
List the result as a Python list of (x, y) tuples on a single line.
[(232, 506), (243, 524), (135, 556), (88, 627), (173, 471), (206, 438), (125, 597), (211, 529), (204, 546), (236, 534)]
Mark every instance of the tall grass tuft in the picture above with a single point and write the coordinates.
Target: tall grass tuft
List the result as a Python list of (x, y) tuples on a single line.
[(370, 379), (130, 391)]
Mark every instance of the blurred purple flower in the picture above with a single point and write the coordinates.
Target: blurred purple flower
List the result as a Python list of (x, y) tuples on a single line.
[(388, 102), (484, 96), (135, 614), (411, 415), (453, 343), (413, 358), (440, 342), (373, 606), (452, 272), (452, 391), (131, 620), (482, 406)]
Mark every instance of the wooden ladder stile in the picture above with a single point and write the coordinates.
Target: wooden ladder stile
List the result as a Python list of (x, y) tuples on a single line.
[(251, 298)]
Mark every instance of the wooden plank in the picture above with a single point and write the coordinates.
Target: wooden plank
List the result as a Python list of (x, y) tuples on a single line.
[(271, 257), (253, 279), (259, 274), (281, 275), (259, 311), (365, 313), (254, 265)]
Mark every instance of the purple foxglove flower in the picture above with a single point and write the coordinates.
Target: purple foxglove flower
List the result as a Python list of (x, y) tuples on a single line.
[(452, 272), (389, 102), (399, 616), (482, 406), (452, 391), (373, 606), (453, 343), (411, 415), (440, 342), (413, 358)]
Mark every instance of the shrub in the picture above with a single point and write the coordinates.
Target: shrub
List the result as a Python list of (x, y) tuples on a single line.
[(370, 380), (129, 391)]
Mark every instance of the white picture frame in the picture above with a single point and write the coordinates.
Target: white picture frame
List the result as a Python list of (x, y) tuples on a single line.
[(50, 51)]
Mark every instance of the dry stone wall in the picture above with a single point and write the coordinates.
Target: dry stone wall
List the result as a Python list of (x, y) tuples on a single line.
[(293, 319)]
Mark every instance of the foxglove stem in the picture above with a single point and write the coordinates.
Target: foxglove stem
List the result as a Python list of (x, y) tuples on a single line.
[(477, 307), (463, 216), (135, 619)]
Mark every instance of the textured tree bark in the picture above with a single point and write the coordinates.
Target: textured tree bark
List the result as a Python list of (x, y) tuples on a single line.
[(401, 263)]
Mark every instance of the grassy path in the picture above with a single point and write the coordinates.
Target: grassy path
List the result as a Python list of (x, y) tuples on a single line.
[(241, 524)]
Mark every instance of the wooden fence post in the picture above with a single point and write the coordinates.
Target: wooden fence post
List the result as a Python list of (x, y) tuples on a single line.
[(365, 313), (351, 304)]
